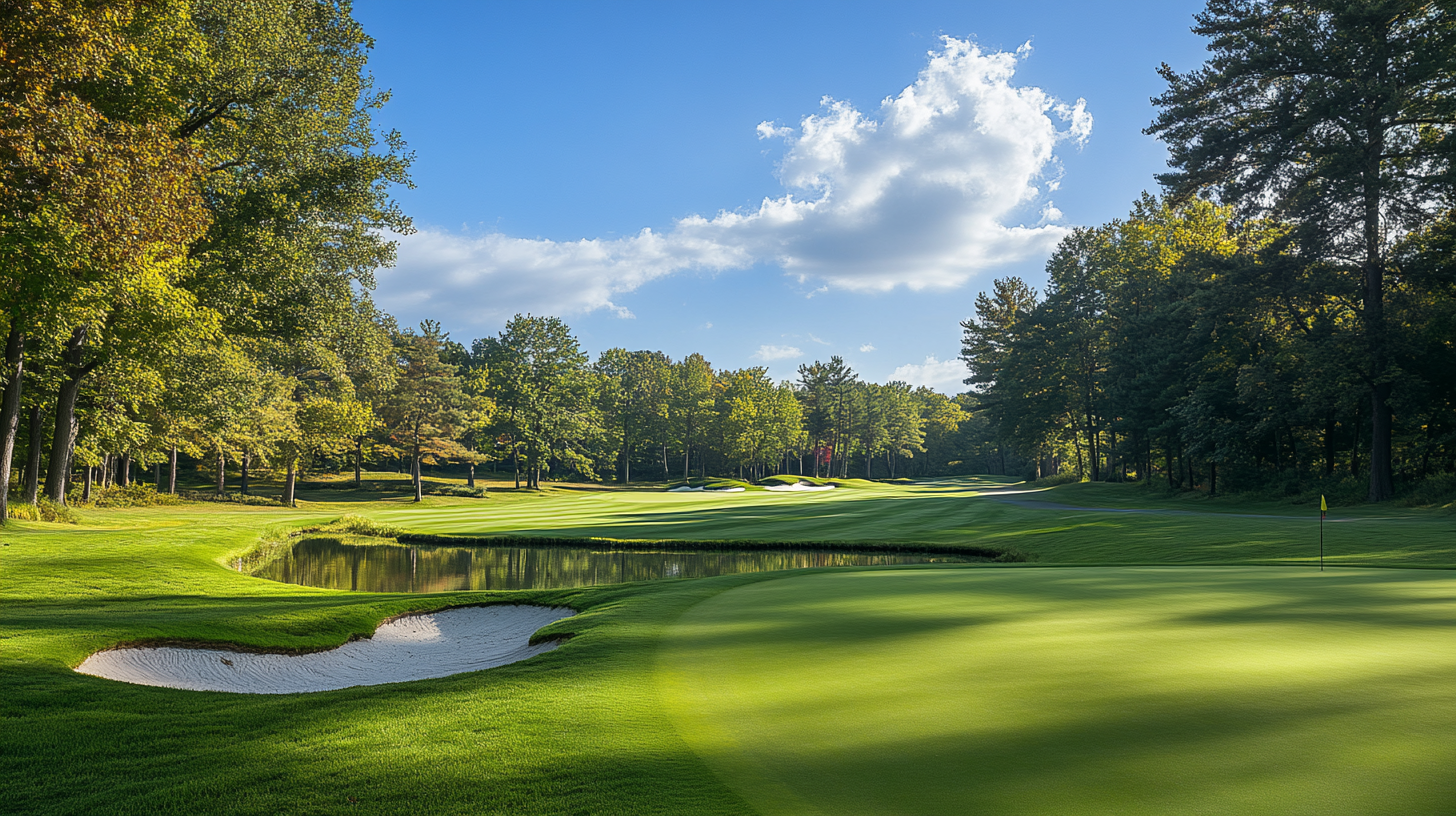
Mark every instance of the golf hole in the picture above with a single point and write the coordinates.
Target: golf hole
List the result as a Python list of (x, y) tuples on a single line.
[(410, 647)]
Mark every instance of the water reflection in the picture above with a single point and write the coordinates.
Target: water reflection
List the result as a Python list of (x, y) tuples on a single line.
[(333, 564)]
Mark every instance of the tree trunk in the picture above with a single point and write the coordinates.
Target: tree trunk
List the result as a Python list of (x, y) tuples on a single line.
[(415, 474), (1212, 479), (1382, 483), (470, 478), (1382, 486), (32, 456), (157, 476), (126, 469), (172, 472), (243, 476), (358, 461), (86, 485), (1077, 445), (10, 410), (221, 473), (63, 441), (290, 481), (516, 462)]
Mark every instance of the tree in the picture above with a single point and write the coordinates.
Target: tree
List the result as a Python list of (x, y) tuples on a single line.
[(1336, 117), (633, 399), (828, 393), (690, 403), (94, 194), (539, 379), (428, 407)]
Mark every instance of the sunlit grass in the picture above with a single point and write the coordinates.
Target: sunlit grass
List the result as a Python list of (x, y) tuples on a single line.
[(1117, 691), (582, 729)]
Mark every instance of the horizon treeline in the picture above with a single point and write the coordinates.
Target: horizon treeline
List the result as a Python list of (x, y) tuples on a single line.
[(530, 397)]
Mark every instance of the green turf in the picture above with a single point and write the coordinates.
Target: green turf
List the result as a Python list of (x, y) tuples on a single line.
[(582, 729), (1087, 691), (970, 511), (577, 730)]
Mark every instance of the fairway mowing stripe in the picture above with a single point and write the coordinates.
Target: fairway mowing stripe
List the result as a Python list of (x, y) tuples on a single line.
[(1077, 690)]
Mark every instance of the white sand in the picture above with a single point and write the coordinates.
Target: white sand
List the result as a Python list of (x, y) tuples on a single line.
[(798, 487), (414, 647)]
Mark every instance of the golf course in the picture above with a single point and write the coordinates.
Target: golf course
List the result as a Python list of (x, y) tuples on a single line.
[(1130, 652)]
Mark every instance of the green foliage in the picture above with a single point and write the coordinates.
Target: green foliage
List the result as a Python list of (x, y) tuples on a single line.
[(133, 495), (461, 491), (43, 510), (538, 377), (356, 525), (1438, 491), (229, 498)]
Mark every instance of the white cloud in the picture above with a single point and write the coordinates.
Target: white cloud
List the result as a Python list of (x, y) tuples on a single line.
[(768, 130), (925, 192), (866, 347), (942, 375), (770, 353)]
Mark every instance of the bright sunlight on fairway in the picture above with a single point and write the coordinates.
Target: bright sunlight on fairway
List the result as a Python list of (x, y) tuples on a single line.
[(1091, 690)]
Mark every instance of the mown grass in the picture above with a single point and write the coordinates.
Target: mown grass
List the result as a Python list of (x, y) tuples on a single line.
[(579, 730), (1087, 691), (574, 731)]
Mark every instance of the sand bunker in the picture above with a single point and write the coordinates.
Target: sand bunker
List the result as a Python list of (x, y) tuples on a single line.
[(798, 487), (686, 489), (414, 647)]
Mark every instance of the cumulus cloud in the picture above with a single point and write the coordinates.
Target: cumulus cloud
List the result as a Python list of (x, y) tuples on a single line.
[(942, 375), (770, 353), (926, 191), (866, 347)]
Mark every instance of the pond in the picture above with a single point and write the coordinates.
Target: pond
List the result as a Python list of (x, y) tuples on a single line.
[(333, 564)]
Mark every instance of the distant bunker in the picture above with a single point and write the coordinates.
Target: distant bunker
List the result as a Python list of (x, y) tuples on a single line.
[(410, 647)]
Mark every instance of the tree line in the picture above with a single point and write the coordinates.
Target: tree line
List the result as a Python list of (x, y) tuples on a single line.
[(1284, 315), (194, 201), (192, 204), (531, 400)]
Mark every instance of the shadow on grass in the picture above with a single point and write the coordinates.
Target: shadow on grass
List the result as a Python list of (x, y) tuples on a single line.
[(572, 731)]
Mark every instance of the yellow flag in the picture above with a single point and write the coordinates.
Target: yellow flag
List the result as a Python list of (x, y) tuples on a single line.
[(1323, 506)]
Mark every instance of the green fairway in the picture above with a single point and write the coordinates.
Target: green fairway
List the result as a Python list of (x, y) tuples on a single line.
[(587, 728), (1089, 690), (1056, 525)]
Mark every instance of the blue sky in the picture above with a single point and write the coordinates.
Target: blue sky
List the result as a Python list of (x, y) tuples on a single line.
[(798, 200)]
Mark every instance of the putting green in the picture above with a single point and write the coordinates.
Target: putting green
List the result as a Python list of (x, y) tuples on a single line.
[(1236, 690)]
